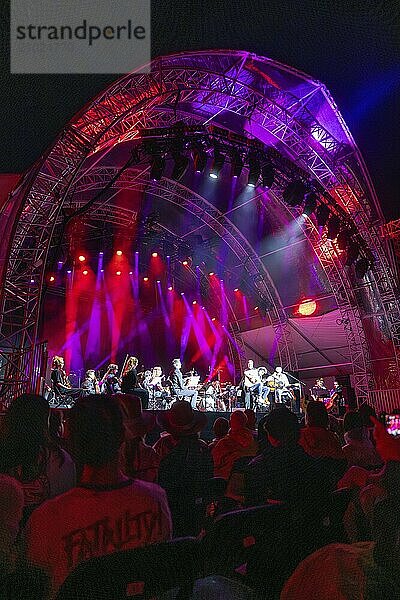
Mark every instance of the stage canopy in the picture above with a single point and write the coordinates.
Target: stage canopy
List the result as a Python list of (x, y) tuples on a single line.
[(241, 176)]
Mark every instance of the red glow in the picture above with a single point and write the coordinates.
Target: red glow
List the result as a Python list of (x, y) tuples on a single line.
[(154, 254), (307, 307), (256, 308), (213, 319), (119, 252), (236, 290), (118, 273), (145, 278), (51, 278), (85, 272), (81, 258)]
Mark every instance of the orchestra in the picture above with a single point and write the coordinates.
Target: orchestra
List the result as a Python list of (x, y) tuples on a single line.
[(260, 388)]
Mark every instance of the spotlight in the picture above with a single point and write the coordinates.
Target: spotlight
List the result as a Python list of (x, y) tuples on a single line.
[(157, 168), (322, 215), (170, 288), (85, 272), (32, 281), (185, 263), (101, 253), (130, 272), (52, 278), (256, 308), (68, 271), (293, 194), (310, 204), (213, 319), (158, 281), (81, 258), (307, 308), (267, 175), (217, 164), (181, 164), (333, 227), (101, 270), (182, 293), (199, 159), (237, 163), (118, 273), (236, 290), (194, 302), (211, 273), (154, 254), (254, 171), (362, 267), (145, 278), (119, 252)]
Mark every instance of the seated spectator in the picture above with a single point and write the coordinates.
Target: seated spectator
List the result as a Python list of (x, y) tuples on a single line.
[(359, 449), (11, 507), (137, 459), (165, 443), (315, 437), (185, 469), (366, 412), (251, 421), (107, 511), (28, 454), (284, 471), (237, 443), (220, 429)]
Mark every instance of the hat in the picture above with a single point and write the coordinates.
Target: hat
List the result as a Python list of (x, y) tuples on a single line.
[(238, 420), (181, 419), (136, 422)]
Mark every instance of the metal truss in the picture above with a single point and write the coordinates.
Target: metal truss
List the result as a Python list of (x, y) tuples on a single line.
[(198, 87)]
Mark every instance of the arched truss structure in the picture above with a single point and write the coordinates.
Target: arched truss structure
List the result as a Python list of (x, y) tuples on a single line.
[(247, 94)]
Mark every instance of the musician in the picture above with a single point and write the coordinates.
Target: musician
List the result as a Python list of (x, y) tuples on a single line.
[(177, 384), (281, 383), (337, 398), (61, 384), (111, 381), (90, 384), (252, 383), (130, 384), (319, 391)]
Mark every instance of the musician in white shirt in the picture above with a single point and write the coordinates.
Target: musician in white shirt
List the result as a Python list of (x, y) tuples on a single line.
[(252, 383), (281, 383)]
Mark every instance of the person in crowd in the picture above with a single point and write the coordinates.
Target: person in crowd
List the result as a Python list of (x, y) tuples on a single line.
[(111, 383), (284, 471), (359, 449), (90, 384), (130, 382), (28, 453), (220, 429), (364, 570), (107, 511), (137, 459), (11, 513), (366, 412), (185, 469), (251, 421), (177, 386), (239, 442), (315, 437)]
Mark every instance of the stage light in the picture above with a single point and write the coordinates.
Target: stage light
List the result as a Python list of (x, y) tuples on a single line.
[(170, 288), (211, 273), (217, 164), (157, 167), (158, 281), (81, 258), (118, 273), (119, 252), (322, 215), (236, 290), (256, 308), (254, 171), (307, 307), (293, 194), (362, 267), (130, 272), (194, 302), (69, 271), (154, 254), (85, 272), (101, 270), (185, 263), (182, 293), (213, 319), (145, 278), (199, 159), (334, 225), (237, 163), (310, 204), (267, 175), (52, 278), (101, 253), (181, 164)]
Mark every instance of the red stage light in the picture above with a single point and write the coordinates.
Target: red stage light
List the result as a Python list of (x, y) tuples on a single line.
[(81, 258), (213, 319), (119, 252), (256, 308), (236, 290), (154, 254), (52, 278), (211, 274), (145, 278), (85, 272), (307, 307), (158, 281), (130, 272), (118, 273), (194, 302)]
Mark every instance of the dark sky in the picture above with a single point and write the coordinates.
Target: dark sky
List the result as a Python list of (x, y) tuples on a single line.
[(351, 46)]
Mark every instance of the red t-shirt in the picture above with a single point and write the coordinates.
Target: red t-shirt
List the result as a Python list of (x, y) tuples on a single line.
[(86, 522)]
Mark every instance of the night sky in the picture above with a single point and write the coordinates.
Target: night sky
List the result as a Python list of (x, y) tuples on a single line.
[(353, 47)]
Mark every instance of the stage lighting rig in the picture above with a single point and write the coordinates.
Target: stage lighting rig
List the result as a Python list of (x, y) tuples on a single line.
[(236, 162), (267, 175), (254, 170), (334, 225), (310, 203), (157, 167), (322, 215), (181, 165), (200, 158), (293, 194)]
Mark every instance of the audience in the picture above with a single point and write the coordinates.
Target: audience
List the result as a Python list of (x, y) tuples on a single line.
[(185, 469), (11, 511), (359, 449), (238, 442), (220, 429), (29, 454), (315, 437), (107, 511)]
